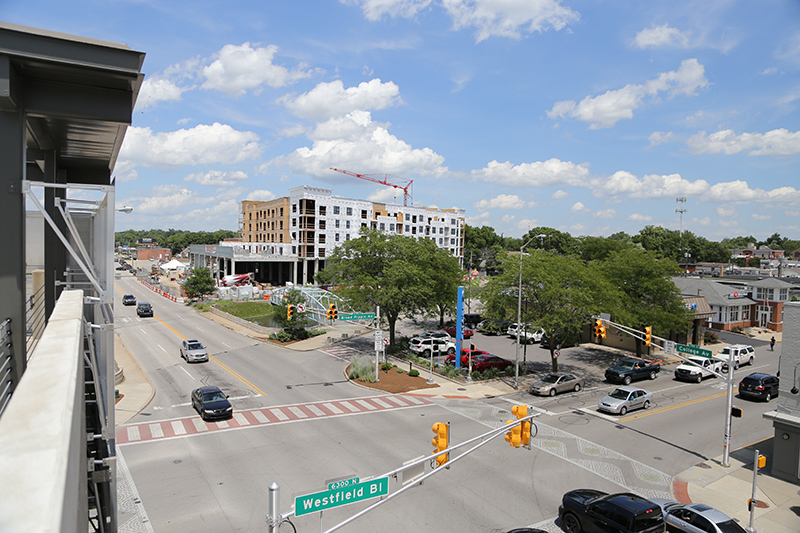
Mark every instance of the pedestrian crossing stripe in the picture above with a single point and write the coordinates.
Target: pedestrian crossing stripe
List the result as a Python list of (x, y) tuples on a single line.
[(189, 426)]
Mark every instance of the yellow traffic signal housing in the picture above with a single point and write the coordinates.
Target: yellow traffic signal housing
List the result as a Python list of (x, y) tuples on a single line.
[(440, 441), (289, 312), (648, 333), (514, 435), (329, 314), (762, 461), (334, 312), (597, 325), (521, 411)]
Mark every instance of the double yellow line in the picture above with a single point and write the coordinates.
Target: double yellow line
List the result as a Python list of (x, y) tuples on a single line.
[(676, 406), (211, 358)]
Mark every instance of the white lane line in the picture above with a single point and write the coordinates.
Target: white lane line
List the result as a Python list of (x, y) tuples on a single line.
[(382, 403), (225, 344), (351, 407), (366, 405), (199, 424), (162, 348), (398, 401), (188, 374), (332, 408), (240, 418), (316, 410), (280, 415), (260, 417), (156, 431), (177, 427), (298, 413)]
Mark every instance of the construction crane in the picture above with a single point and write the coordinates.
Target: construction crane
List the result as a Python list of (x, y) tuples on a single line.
[(385, 179)]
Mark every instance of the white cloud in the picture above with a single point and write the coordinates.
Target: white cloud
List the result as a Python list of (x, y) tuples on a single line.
[(552, 172), (559, 194), (156, 90), (261, 195), (740, 191), (503, 201), (328, 100), (375, 9), (624, 184), (217, 178), (607, 213), (223, 213), (578, 207), (125, 171), (386, 195), (527, 223), (775, 142), (293, 131), (356, 142), (640, 218), (756, 216), (660, 137), (657, 36), (479, 219), (237, 69), (768, 71), (165, 199), (725, 211), (203, 144), (705, 221), (605, 110), (509, 18), (508, 219)]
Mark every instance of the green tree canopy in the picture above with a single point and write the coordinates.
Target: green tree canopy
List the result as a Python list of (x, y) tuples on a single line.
[(199, 283)]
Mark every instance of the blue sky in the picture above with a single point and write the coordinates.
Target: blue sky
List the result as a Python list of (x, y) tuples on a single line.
[(588, 116)]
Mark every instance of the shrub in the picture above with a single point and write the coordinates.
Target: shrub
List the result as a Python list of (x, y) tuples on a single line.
[(399, 370), (361, 368), (282, 336), (737, 329), (450, 371), (709, 337), (386, 367), (413, 373)]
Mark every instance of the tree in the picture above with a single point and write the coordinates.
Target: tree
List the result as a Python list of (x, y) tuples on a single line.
[(592, 248), (445, 275), (648, 296), (199, 283), (379, 269), (560, 294), (663, 242)]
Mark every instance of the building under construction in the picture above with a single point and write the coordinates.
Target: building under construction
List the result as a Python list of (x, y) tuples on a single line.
[(288, 239)]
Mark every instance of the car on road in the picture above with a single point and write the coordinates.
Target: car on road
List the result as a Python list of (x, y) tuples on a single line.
[(742, 354), (701, 368), (589, 510), (693, 517), (211, 403), (481, 363), (624, 399), (556, 382), (193, 351), (759, 386), (451, 359), (425, 347), (466, 333), (129, 299), (144, 309), (630, 369)]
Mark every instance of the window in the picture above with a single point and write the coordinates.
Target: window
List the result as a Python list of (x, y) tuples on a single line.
[(734, 313), (440, 241), (408, 228), (745, 312), (349, 211), (281, 211), (336, 223), (363, 213), (336, 210), (452, 241), (294, 222), (336, 238), (784, 295), (452, 231), (322, 210), (391, 227), (294, 208), (383, 226), (347, 223), (408, 218), (347, 237)]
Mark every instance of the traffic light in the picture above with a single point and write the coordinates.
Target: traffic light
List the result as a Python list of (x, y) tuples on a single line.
[(514, 435), (648, 333), (332, 313), (289, 312), (521, 411), (736, 412), (599, 329), (441, 431)]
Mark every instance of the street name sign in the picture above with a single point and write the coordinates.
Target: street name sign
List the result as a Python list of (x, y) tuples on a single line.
[(357, 316), (328, 499), (693, 350)]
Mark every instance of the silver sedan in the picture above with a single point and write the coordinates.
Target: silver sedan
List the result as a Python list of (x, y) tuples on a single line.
[(624, 399), (557, 382)]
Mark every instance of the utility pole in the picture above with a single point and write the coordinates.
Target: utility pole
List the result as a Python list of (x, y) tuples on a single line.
[(681, 210)]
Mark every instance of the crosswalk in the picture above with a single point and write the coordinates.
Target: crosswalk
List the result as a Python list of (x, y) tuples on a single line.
[(344, 353), (182, 427)]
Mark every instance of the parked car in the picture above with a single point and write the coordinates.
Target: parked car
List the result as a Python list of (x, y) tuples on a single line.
[(129, 299), (424, 347), (700, 369), (433, 335), (694, 517), (211, 403), (528, 333), (144, 309), (493, 327), (629, 369), (593, 510), (742, 354), (193, 351), (466, 333), (451, 359), (760, 386), (556, 382), (471, 320), (624, 399), (481, 363)]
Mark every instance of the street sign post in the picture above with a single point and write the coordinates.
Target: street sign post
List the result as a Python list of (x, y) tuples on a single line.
[(692, 350), (357, 316), (669, 347), (328, 499)]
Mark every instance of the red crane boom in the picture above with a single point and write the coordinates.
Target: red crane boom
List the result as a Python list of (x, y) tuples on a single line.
[(384, 179)]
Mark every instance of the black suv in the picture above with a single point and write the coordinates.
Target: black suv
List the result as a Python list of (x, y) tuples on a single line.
[(144, 309), (761, 386), (591, 510)]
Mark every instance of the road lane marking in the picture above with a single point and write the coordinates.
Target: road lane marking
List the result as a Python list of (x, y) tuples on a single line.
[(156, 431), (162, 349), (133, 433), (178, 428), (241, 419), (350, 406), (298, 412), (187, 373), (280, 415), (332, 408), (260, 417), (653, 411), (239, 377), (366, 405), (200, 424), (316, 410)]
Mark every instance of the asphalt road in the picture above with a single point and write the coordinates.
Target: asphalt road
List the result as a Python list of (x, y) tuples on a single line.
[(218, 481)]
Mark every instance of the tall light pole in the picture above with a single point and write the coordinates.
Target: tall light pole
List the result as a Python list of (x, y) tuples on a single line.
[(519, 309)]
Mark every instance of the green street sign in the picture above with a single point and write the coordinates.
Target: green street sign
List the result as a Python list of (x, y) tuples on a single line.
[(693, 350), (328, 499), (357, 316)]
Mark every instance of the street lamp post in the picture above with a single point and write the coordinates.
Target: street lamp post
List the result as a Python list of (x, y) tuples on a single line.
[(519, 309)]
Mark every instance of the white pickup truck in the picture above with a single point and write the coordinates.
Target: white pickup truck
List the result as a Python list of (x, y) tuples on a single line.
[(743, 354), (701, 369)]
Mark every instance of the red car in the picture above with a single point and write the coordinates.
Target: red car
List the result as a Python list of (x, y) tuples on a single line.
[(451, 359), (485, 362), (468, 333)]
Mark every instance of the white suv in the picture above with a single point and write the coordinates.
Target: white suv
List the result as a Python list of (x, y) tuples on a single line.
[(743, 354), (426, 346)]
